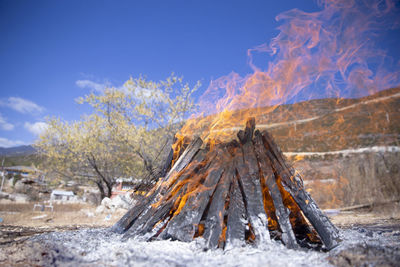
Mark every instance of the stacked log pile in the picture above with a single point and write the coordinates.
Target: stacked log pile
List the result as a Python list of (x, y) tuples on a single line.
[(231, 194)]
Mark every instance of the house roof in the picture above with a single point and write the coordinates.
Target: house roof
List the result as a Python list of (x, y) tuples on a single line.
[(129, 179), (21, 168), (62, 193)]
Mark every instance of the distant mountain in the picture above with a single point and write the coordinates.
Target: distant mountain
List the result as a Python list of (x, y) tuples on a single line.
[(17, 151)]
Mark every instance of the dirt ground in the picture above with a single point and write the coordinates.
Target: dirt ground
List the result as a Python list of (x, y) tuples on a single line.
[(20, 224), (19, 221), (378, 215)]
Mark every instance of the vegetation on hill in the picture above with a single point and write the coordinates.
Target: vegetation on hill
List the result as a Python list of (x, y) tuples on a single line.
[(21, 160), (15, 151)]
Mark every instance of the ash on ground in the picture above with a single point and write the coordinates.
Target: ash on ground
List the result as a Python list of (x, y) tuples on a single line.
[(362, 246)]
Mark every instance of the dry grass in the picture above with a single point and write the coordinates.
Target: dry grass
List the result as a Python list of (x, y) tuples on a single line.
[(21, 214), (379, 215), (26, 207)]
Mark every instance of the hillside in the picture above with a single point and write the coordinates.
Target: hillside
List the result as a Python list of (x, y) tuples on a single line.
[(330, 124), (17, 151), (20, 155), (21, 160), (336, 124)]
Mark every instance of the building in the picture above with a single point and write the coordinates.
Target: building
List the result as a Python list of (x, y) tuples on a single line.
[(123, 186), (61, 195), (27, 175), (24, 171)]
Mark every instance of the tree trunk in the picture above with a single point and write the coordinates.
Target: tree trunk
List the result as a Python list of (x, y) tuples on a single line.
[(101, 189)]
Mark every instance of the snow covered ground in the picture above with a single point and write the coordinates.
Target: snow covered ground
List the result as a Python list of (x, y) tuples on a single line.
[(100, 247)]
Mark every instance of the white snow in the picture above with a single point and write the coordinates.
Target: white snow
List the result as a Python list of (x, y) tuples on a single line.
[(374, 149), (275, 125), (369, 101)]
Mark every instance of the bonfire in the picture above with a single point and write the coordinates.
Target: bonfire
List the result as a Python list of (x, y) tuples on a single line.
[(230, 194)]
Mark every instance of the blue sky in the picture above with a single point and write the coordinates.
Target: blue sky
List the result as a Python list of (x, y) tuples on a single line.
[(52, 52)]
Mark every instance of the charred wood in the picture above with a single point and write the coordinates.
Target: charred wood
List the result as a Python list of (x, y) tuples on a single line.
[(247, 135), (168, 192), (131, 216), (183, 225), (282, 213), (249, 179), (214, 221), (235, 232), (167, 165), (186, 156), (198, 161), (155, 215), (134, 213), (293, 183)]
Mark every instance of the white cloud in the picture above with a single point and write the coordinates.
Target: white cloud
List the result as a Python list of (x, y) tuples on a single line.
[(36, 128), (4, 142), (4, 125), (22, 105), (99, 87)]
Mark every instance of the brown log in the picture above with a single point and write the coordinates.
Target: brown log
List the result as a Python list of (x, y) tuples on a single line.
[(282, 213), (293, 183)]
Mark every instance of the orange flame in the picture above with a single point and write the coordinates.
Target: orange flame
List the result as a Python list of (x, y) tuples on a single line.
[(320, 54), (326, 54)]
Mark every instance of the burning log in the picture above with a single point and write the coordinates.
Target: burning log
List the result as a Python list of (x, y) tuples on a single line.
[(183, 225), (235, 228), (293, 183), (230, 194), (130, 217), (214, 221), (282, 213), (249, 177)]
